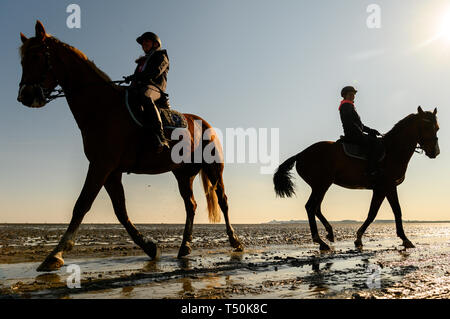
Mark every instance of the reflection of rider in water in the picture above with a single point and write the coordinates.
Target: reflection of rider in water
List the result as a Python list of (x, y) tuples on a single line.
[(150, 79), (354, 131)]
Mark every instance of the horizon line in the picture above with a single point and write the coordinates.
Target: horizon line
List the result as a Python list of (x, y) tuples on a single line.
[(259, 223)]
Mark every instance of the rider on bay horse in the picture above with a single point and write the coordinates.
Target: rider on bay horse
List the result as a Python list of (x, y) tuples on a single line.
[(354, 131), (150, 80)]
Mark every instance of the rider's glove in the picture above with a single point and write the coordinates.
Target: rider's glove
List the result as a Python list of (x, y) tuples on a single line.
[(129, 78), (374, 132)]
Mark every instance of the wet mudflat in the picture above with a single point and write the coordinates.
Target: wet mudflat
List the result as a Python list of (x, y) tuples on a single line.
[(279, 262)]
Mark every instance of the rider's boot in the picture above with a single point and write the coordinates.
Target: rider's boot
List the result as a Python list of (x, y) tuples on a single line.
[(162, 142), (154, 125)]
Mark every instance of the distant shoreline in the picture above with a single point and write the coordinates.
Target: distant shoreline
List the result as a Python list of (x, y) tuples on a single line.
[(381, 221), (273, 222)]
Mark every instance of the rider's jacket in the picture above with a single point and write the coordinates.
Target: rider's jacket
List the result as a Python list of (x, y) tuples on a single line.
[(152, 69), (351, 122)]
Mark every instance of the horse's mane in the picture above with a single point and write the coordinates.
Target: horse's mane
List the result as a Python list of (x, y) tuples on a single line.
[(72, 50), (400, 125), (82, 56)]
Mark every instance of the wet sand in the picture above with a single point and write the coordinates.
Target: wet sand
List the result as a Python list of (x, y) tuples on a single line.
[(279, 261)]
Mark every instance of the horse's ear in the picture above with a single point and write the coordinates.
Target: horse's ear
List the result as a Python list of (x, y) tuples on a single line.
[(419, 109), (435, 111), (40, 30), (23, 37)]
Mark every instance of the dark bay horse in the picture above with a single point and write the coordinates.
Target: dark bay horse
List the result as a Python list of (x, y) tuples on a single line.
[(325, 163), (112, 142)]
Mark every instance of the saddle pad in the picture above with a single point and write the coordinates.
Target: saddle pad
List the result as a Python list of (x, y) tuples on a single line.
[(358, 151), (171, 119), (354, 150)]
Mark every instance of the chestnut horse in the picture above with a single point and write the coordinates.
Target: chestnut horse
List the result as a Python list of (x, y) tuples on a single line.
[(112, 142), (325, 163)]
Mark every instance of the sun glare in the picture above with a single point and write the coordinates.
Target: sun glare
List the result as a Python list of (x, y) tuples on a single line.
[(444, 27)]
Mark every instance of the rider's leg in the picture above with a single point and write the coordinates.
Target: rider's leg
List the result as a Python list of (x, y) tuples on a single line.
[(368, 143), (152, 117), (374, 154), (375, 148)]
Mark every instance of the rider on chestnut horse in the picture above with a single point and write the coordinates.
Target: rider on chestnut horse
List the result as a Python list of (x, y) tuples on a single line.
[(354, 131), (150, 80)]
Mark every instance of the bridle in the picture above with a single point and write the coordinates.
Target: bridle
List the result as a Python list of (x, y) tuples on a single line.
[(48, 94), (52, 94), (420, 148)]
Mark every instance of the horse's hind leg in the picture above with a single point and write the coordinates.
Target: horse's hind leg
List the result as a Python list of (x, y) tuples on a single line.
[(115, 191), (185, 187), (326, 224), (377, 200), (223, 203), (214, 174), (95, 179), (312, 207)]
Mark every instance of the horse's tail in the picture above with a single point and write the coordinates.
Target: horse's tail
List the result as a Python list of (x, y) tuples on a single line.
[(282, 179), (211, 198)]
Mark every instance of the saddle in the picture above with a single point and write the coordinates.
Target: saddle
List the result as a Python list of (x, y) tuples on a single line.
[(171, 119), (358, 151)]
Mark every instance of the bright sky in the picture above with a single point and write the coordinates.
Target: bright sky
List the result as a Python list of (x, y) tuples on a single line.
[(250, 64)]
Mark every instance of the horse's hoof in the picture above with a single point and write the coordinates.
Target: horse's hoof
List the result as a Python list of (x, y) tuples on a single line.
[(51, 263), (324, 247), (152, 250), (358, 244), (236, 244), (184, 250), (156, 254), (330, 237), (408, 244)]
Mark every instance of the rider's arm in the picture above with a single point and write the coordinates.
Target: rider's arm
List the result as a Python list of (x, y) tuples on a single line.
[(159, 64), (371, 131), (366, 129), (350, 118)]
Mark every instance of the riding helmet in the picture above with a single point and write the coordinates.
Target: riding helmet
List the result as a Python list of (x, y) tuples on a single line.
[(149, 36), (346, 90)]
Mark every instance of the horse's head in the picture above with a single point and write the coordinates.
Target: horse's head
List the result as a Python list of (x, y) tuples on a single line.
[(428, 128), (38, 80)]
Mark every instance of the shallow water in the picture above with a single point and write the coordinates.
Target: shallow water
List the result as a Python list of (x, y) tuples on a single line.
[(285, 264)]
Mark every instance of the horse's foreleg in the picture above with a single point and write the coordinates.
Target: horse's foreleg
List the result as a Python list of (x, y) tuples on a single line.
[(392, 197), (377, 200), (94, 181), (326, 224), (185, 188), (312, 207), (115, 191)]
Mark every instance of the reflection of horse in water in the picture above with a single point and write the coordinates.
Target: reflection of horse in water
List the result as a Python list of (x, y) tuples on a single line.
[(325, 163), (112, 141)]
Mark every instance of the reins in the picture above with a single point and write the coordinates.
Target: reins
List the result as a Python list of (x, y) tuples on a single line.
[(60, 92), (418, 149), (57, 93)]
